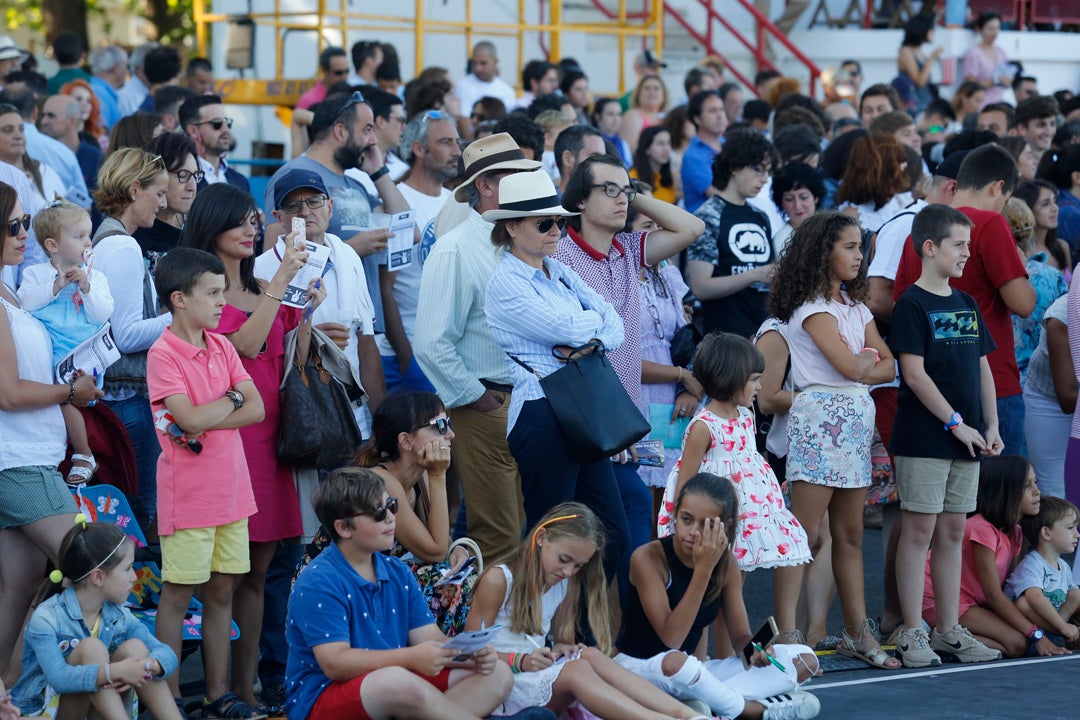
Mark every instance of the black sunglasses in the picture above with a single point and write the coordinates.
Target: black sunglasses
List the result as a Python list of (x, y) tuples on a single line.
[(379, 513), (13, 226), (441, 424), (216, 123), (545, 225)]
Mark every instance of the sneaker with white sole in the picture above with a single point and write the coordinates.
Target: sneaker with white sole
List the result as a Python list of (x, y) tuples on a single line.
[(959, 645), (791, 706), (913, 647)]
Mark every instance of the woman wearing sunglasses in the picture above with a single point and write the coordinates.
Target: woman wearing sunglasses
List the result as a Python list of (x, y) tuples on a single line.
[(539, 310), (178, 153), (132, 188), (36, 509)]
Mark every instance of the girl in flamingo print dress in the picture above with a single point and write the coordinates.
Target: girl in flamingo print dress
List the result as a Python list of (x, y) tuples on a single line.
[(720, 440)]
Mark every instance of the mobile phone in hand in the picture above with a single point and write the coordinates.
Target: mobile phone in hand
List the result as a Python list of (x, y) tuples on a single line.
[(763, 637), (299, 226)]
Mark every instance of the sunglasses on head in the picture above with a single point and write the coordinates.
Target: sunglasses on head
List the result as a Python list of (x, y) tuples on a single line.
[(13, 226), (216, 123), (379, 513), (545, 225), (354, 99)]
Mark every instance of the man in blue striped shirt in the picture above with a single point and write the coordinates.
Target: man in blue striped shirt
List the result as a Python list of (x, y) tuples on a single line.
[(459, 355)]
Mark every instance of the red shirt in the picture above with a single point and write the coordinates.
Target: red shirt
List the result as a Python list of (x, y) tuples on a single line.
[(994, 261)]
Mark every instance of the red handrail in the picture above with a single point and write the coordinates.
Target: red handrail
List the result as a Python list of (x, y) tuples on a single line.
[(763, 26)]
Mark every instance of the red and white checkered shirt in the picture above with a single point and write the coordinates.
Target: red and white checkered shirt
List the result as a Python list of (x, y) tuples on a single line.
[(615, 277)]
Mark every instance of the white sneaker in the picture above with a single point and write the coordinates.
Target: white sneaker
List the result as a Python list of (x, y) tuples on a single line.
[(960, 645), (791, 706), (913, 647)]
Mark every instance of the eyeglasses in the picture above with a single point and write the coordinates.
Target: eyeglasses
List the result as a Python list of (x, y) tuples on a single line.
[(184, 175), (354, 99), (441, 424), (13, 226), (760, 170), (612, 190), (655, 315), (314, 202), (545, 225), (379, 513), (216, 123)]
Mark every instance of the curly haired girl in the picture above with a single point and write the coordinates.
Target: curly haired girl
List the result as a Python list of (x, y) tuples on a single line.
[(836, 353)]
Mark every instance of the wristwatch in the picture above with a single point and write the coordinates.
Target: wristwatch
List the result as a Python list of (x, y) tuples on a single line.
[(237, 398), (379, 173), (1036, 635), (955, 421)]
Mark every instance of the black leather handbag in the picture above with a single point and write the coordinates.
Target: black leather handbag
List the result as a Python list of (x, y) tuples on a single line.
[(597, 417), (318, 429)]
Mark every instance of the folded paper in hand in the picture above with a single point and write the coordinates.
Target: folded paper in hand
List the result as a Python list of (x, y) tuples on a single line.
[(92, 355)]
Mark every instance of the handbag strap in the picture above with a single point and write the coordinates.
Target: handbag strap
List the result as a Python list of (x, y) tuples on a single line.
[(592, 343)]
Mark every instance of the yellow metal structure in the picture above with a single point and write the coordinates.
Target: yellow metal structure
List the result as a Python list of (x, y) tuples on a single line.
[(645, 20)]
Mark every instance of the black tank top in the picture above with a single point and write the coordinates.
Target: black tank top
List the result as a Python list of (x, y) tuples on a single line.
[(637, 637)]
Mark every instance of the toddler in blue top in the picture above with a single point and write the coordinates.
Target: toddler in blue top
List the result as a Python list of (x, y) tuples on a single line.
[(83, 648), (1042, 585), (72, 302)]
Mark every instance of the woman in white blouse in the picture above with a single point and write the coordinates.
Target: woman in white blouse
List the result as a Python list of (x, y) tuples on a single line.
[(539, 310)]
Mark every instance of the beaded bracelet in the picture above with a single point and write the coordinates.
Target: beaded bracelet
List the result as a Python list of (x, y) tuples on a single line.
[(71, 394)]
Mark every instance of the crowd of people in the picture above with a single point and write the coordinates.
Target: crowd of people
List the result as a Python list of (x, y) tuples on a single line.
[(832, 315)]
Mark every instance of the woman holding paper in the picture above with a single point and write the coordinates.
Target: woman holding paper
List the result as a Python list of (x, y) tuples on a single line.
[(223, 221), (35, 507)]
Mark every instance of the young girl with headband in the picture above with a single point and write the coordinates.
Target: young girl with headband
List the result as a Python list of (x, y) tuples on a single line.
[(84, 649), (538, 596)]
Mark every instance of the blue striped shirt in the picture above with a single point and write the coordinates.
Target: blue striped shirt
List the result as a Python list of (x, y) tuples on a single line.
[(531, 312)]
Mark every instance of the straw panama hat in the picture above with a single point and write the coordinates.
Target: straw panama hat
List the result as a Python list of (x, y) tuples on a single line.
[(494, 152), (527, 194)]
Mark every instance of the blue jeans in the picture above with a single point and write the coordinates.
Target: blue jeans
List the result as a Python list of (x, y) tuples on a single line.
[(637, 502), (134, 412), (1011, 424), (414, 379), (550, 474), (273, 650)]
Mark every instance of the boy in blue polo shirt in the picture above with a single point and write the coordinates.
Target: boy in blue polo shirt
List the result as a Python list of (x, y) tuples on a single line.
[(362, 642)]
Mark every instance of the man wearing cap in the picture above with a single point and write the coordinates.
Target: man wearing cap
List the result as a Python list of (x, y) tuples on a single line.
[(348, 314), (11, 57), (430, 146), (483, 79), (646, 62), (343, 127), (459, 355)]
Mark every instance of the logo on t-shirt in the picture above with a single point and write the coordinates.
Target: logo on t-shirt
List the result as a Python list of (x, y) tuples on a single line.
[(955, 324), (427, 241), (748, 243)]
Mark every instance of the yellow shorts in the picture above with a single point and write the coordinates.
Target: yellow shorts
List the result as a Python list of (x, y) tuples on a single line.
[(189, 556)]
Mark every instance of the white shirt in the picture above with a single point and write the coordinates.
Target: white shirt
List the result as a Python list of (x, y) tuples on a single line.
[(471, 88), (763, 201), (889, 244), (37, 291), (131, 97), (213, 176), (120, 259), (406, 290)]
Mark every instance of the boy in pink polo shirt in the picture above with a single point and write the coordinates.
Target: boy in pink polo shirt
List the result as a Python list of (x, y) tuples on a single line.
[(200, 395)]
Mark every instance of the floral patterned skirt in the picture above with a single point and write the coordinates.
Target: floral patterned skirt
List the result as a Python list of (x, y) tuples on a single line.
[(830, 431)]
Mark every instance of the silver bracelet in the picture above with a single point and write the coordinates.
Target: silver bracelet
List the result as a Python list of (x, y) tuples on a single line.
[(108, 674)]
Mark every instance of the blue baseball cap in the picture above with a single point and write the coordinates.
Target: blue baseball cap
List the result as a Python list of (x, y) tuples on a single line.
[(294, 180)]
